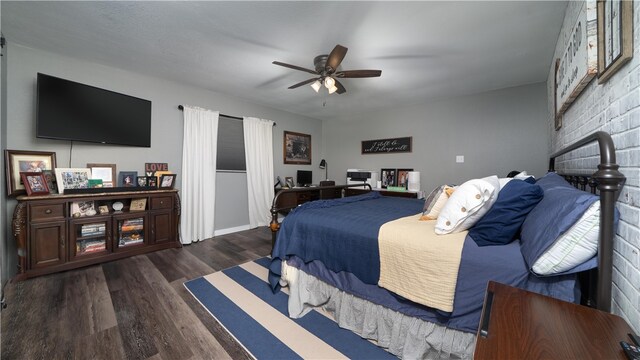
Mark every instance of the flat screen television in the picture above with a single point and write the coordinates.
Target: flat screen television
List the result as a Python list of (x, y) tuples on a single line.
[(67, 110), (304, 177)]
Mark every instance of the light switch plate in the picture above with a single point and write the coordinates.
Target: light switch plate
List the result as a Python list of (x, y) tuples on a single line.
[(459, 158)]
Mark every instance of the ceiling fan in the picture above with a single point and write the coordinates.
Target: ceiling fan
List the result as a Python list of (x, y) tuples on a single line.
[(326, 71)]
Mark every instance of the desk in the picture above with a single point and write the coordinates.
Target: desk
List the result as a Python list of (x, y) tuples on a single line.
[(405, 194), (521, 324)]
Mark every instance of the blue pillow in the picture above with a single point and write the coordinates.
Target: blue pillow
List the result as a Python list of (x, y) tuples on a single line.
[(561, 206), (500, 225)]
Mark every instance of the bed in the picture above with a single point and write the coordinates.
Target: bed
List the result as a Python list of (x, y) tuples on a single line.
[(355, 257)]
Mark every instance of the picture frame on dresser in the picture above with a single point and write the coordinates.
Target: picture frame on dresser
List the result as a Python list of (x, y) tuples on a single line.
[(167, 181), (388, 177), (34, 183), (105, 172), (402, 176), (127, 178), (17, 161), (72, 178)]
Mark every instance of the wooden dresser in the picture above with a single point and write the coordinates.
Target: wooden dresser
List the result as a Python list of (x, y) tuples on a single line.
[(518, 324), (51, 235)]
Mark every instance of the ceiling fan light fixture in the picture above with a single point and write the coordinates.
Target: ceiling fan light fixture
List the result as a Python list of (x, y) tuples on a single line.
[(316, 85), (333, 89), (329, 82)]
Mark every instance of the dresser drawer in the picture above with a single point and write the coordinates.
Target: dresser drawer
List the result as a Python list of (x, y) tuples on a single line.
[(45, 212), (161, 202)]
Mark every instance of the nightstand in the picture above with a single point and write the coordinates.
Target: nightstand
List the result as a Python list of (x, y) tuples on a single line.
[(517, 324)]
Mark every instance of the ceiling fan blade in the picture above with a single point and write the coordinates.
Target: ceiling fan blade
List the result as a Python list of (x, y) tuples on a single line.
[(341, 89), (335, 58), (294, 67), (358, 73), (303, 83)]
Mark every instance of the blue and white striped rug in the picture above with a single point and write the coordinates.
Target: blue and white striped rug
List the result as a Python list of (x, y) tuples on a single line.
[(241, 300)]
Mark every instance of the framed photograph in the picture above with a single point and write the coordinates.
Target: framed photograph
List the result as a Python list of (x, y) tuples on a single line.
[(34, 183), (138, 204), (402, 176), (388, 177), (17, 161), (152, 181), (159, 173), (296, 148), (72, 178), (83, 208), (103, 210), (167, 181), (289, 182), (142, 181), (127, 178), (50, 177), (615, 36), (104, 172)]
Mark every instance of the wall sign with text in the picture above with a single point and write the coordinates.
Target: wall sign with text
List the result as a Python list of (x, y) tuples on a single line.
[(578, 63), (385, 146)]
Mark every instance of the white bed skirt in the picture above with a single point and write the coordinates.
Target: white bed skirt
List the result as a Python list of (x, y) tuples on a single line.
[(404, 336)]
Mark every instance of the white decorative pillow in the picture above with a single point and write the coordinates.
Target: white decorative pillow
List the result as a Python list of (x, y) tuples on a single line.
[(504, 181), (467, 205), (523, 175), (577, 245)]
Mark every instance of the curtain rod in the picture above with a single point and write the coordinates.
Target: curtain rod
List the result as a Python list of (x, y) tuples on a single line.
[(180, 107)]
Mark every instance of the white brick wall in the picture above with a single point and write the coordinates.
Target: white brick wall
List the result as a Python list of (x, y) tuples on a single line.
[(613, 107)]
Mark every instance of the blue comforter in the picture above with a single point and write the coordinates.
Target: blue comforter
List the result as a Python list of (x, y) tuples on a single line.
[(345, 238)]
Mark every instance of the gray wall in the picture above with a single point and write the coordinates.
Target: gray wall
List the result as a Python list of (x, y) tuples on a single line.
[(613, 107), (496, 131), (166, 138)]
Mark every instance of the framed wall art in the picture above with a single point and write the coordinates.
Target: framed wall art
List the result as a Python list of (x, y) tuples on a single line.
[(296, 148), (34, 183), (387, 146), (72, 178), (17, 161), (615, 36)]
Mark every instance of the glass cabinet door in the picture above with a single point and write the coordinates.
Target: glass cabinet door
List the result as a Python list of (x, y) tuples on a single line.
[(89, 237), (130, 231)]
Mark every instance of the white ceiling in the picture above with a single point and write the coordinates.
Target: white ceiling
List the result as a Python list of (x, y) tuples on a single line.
[(425, 50)]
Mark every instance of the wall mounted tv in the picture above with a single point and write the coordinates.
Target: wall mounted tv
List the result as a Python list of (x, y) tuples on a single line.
[(67, 110)]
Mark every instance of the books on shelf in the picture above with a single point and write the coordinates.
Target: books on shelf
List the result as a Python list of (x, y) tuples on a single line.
[(85, 247), (127, 241), (92, 229)]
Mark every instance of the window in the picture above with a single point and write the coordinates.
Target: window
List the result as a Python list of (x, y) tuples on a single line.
[(230, 145)]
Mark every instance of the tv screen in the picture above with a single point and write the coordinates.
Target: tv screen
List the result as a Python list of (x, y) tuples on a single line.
[(304, 177), (67, 110)]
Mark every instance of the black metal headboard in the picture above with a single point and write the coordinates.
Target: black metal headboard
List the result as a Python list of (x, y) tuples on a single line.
[(608, 182)]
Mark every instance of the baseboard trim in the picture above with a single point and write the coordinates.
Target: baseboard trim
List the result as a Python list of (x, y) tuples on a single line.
[(221, 232)]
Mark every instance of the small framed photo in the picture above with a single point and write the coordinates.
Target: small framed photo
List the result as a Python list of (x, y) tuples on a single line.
[(34, 183), (50, 177), (127, 178), (95, 183), (17, 161), (142, 181), (72, 178), (105, 172), (296, 148), (103, 210), (289, 181), (388, 177), (167, 181), (138, 204), (152, 181), (402, 176), (83, 208)]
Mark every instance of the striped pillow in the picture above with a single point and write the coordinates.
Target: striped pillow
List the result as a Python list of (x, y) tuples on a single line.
[(435, 202)]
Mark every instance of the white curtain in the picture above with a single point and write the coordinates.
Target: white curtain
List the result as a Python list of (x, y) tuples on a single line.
[(199, 150), (258, 148)]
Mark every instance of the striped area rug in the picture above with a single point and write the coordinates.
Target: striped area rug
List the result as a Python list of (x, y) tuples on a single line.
[(241, 300)]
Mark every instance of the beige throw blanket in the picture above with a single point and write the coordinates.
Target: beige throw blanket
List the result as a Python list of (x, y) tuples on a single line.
[(418, 264)]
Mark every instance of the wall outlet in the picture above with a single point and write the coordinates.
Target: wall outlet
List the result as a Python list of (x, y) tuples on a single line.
[(459, 158)]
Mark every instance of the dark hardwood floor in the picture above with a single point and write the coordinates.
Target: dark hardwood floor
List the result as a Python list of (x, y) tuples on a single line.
[(134, 308)]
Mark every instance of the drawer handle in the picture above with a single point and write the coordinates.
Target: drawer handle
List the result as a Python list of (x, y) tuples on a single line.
[(48, 211), (161, 202)]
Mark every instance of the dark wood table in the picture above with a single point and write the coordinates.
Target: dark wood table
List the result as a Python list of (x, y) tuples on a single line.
[(518, 324)]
